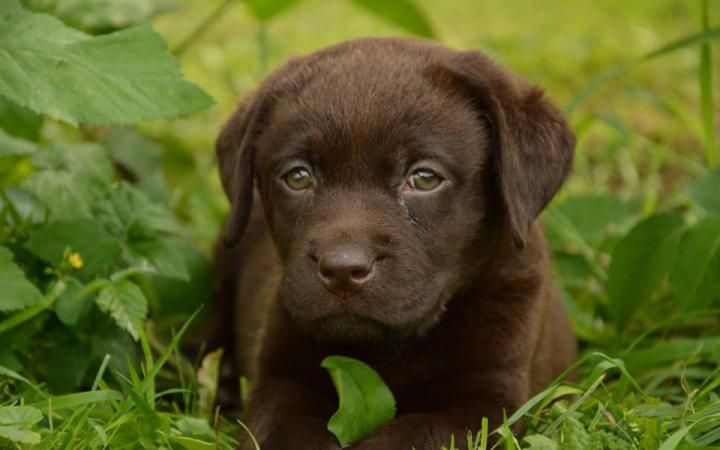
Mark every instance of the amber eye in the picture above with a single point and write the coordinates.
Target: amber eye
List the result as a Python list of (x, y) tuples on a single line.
[(299, 179), (424, 180)]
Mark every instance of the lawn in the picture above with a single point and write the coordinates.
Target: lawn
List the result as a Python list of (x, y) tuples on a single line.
[(110, 204)]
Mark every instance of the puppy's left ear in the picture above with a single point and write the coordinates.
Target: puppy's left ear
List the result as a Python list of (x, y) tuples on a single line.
[(533, 146), (235, 149)]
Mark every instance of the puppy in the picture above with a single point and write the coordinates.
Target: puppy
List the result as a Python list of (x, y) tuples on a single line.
[(400, 182)]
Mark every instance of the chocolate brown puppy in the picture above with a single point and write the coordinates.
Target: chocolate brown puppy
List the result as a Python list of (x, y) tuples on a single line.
[(398, 183)]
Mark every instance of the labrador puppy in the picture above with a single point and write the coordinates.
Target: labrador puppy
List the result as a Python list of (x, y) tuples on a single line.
[(398, 183)]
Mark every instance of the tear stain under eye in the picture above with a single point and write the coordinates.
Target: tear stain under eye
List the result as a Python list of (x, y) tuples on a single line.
[(412, 217)]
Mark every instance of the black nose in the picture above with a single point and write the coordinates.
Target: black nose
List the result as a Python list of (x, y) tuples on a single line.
[(345, 269)]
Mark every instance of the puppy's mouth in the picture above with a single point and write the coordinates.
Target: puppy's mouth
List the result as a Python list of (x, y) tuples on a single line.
[(350, 328)]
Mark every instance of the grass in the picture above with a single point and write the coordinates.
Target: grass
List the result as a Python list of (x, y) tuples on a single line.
[(645, 116)]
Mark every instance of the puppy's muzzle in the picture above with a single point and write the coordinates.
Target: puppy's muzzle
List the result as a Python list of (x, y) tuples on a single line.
[(346, 268)]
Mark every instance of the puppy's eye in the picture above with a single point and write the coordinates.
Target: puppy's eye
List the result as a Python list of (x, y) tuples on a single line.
[(299, 179), (424, 180)]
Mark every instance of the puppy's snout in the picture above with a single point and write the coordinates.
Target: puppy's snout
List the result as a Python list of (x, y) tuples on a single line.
[(346, 268)]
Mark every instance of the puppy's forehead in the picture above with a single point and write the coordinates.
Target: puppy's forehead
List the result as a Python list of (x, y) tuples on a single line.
[(365, 105)]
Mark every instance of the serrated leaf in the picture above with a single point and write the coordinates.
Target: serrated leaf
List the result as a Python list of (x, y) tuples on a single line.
[(17, 435), (162, 254), (17, 292), (365, 401), (21, 416), (126, 304), (71, 304), (118, 78), (129, 213), (86, 237), (640, 261), (403, 13), (695, 278), (540, 442), (70, 178), (265, 10), (15, 419), (101, 15), (592, 216), (705, 191)]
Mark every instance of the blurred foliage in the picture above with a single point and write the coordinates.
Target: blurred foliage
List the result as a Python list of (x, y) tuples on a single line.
[(105, 231)]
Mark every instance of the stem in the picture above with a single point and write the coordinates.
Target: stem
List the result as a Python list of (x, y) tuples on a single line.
[(28, 313), (202, 27)]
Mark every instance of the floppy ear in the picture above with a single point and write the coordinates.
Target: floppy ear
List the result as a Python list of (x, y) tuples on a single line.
[(235, 149), (533, 146)]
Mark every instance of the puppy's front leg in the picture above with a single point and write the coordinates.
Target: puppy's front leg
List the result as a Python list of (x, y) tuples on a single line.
[(283, 415)]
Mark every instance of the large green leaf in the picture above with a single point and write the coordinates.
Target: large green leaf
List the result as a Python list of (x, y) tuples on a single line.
[(130, 214), (97, 248), (101, 15), (265, 10), (591, 217), (118, 78), (403, 13), (165, 255), (16, 292), (695, 279), (125, 302), (365, 401), (69, 178), (640, 261), (14, 421), (705, 191)]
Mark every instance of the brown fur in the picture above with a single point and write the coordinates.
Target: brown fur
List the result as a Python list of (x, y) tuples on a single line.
[(459, 318)]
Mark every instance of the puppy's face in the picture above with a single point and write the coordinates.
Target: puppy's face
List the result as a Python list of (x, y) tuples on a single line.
[(378, 176)]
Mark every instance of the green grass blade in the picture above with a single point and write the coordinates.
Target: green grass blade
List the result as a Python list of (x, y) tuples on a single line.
[(74, 400), (712, 156)]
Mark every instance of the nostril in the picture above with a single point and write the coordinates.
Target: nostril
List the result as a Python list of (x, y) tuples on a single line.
[(360, 274)]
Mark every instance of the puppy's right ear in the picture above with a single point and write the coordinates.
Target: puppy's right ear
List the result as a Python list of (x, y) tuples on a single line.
[(235, 149)]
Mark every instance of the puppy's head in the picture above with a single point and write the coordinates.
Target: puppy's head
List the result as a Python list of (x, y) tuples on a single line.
[(389, 170)]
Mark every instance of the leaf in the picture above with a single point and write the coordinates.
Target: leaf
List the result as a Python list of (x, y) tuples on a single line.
[(125, 303), (704, 191), (130, 214), (97, 248), (14, 420), (70, 178), (403, 13), (640, 261), (102, 15), (134, 151), (264, 10), (17, 292), (695, 278), (365, 401), (71, 304), (539, 442), (18, 435), (14, 146), (118, 78), (208, 378), (18, 121), (592, 216), (192, 443), (164, 255)]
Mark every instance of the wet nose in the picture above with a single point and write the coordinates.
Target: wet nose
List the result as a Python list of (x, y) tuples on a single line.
[(345, 269)]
